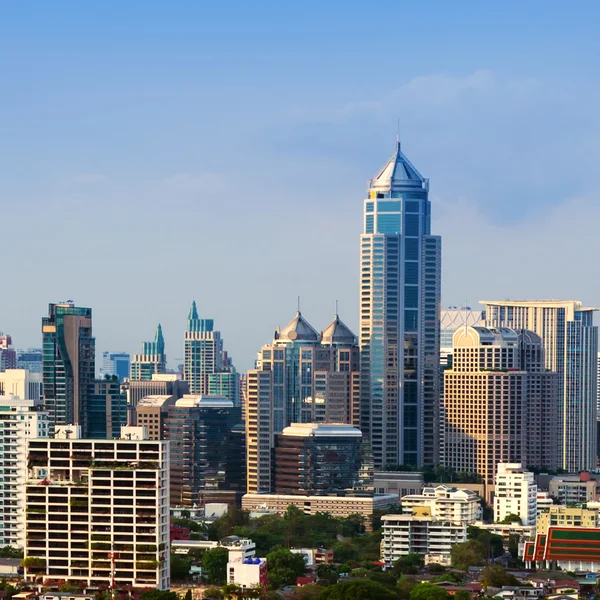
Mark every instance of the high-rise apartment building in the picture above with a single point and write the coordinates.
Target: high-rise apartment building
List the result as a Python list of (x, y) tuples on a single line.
[(19, 421), (68, 364), (8, 356), (500, 404), (226, 382), (571, 348), (399, 317), (317, 458), (516, 493), (107, 408), (151, 360), (208, 459), (30, 360), (302, 377), (98, 510), (115, 363), (24, 384)]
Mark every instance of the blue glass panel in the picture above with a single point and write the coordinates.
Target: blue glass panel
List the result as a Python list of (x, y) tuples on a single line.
[(410, 320), (388, 223), (411, 206), (369, 224), (411, 272), (411, 249), (411, 296), (411, 223), (369, 207), (388, 206)]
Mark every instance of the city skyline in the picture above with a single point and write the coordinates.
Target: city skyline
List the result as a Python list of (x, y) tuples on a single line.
[(123, 152)]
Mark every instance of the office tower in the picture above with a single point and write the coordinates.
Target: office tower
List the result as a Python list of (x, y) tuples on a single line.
[(30, 360), (19, 421), (161, 384), (24, 384), (399, 317), (301, 377), (571, 347), (516, 493), (115, 363), (454, 318), (317, 458), (151, 360), (8, 356), (495, 395), (227, 382), (68, 364), (208, 459), (151, 412), (87, 499), (107, 408)]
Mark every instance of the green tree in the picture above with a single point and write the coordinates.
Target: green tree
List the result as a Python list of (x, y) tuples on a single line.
[(180, 567), (284, 568), (214, 565), (409, 564), (462, 595), (188, 595), (496, 576), (493, 544), (386, 579), (511, 518), (428, 591), (213, 593), (450, 576), (10, 552), (159, 595), (360, 589), (405, 585), (468, 554)]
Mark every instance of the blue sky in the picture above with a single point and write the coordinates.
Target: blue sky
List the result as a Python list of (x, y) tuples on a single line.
[(155, 152)]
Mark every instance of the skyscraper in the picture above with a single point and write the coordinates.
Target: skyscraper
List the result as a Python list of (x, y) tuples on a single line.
[(115, 363), (302, 377), (399, 317), (571, 346), (107, 408), (8, 356), (151, 359), (68, 364)]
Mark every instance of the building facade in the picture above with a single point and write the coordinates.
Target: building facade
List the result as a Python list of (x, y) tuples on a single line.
[(207, 442), (22, 383), (8, 356), (160, 384), (516, 493), (107, 408), (302, 377), (571, 347), (566, 516), (315, 458), (69, 364), (500, 405), (152, 412), (574, 489), (116, 363), (445, 503), (400, 281), (151, 360), (87, 499), (20, 421), (31, 360)]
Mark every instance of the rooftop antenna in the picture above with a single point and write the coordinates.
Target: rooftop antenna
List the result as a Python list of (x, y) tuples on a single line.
[(298, 303), (336, 309), (398, 134)]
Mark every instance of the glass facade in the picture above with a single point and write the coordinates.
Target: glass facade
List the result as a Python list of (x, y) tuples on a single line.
[(151, 360), (107, 409)]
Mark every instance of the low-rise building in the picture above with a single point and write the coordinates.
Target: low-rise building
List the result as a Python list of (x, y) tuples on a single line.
[(336, 505), (420, 533), (543, 501), (516, 493), (98, 510), (506, 530), (398, 482), (574, 489), (244, 568), (564, 516), (446, 503)]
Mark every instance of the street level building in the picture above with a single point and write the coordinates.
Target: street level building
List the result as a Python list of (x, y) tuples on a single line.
[(98, 509), (570, 342), (400, 279)]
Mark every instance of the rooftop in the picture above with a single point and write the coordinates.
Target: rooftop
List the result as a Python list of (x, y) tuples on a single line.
[(397, 172), (321, 430)]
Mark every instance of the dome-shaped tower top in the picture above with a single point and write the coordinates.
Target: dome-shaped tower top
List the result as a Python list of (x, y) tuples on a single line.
[(338, 333), (297, 330)]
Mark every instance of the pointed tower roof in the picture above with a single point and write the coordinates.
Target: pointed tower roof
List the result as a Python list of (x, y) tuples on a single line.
[(158, 336), (193, 314), (338, 333), (397, 172), (298, 330)]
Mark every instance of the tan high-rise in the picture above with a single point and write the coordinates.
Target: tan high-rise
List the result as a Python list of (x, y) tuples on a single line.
[(500, 404)]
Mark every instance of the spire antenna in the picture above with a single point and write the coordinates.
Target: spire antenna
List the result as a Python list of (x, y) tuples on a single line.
[(398, 135), (298, 303), (336, 309)]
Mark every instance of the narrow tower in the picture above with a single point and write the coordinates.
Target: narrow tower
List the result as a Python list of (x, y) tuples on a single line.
[(399, 317)]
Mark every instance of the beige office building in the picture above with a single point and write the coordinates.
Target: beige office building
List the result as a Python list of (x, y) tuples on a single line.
[(500, 404)]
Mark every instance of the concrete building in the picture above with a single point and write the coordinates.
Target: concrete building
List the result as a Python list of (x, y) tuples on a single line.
[(454, 318), (500, 404), (89, 498), (571, 348), (69, 365), (400, 280), (244, 568), (19, 422), (516, 493), (22, 383), (8, 356), (151, 360), (312, 458), (302, 377), (564, 516), (206, 437), (160, 384), (445, 503), (334, 504), (398, 482), (116, 364), (422, 534), (152, 413), (574, 489), (543, 501)]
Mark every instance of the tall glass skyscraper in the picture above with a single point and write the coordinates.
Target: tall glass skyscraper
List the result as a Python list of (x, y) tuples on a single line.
[(399, 317), (152, 359)]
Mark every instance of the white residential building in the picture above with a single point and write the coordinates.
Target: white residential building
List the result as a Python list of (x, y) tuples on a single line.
[(516, 493), (446, 503), (21, 383), (243, 567), (98, 509), (420, 533), (19, 421), (543, 501)]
